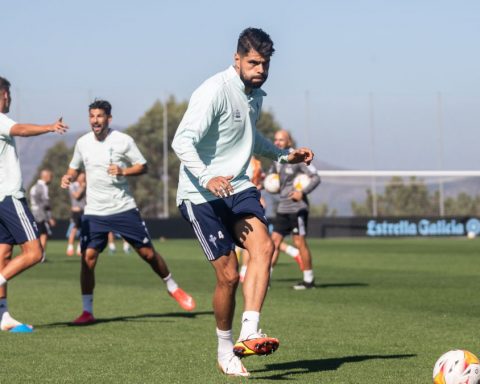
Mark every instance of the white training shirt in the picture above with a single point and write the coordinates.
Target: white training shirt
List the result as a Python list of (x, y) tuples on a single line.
[(11, 183), (217, 137), (106, 194)]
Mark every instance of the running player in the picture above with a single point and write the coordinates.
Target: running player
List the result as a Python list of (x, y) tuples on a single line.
[(109, 157), (292, 209), (215, 141), (17, 225), (76, 190), (40, 204)]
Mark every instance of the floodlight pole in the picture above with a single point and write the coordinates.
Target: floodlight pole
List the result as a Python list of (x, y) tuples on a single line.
[(372, 145), (165, 159), (441, 195)]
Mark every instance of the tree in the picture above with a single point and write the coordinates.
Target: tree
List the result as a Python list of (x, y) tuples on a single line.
[(57, 159), (399, 199)]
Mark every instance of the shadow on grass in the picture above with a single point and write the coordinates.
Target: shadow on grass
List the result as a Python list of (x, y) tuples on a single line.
[(186, 315), (326, 285), (301, 367)]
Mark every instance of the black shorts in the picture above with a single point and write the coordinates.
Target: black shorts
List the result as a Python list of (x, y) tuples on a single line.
[(76, 219), (44, 228), (291, 223)]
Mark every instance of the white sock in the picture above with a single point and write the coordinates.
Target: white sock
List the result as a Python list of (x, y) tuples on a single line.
[(292, 251), (88, 303), (308, 276), (243, 270), (70, 247), (111, 247), (3, 281), (225, 343), (171, 284), (3, 306), (250, 320)]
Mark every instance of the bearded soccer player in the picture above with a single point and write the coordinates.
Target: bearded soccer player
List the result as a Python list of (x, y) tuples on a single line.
[(215, 141), (109, 158), (17, 225)]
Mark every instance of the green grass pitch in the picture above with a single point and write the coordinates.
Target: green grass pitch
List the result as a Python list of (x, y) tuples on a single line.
[(384, 311)]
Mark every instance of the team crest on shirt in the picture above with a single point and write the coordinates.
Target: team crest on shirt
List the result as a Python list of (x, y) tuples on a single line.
[(237, 116)]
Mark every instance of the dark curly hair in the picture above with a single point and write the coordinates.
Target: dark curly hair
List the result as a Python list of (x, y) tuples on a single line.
[(104, 105), (256, 39)]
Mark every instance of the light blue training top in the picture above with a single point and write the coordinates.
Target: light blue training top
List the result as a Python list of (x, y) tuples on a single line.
[(217, 137)]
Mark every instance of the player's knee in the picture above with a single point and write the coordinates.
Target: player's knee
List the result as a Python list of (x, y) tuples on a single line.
[(148, 255), (230, 278), (34, 256)]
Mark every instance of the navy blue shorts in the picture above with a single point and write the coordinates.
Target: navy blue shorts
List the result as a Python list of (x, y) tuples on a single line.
[(128, 224), (17, 224), (214, 220)]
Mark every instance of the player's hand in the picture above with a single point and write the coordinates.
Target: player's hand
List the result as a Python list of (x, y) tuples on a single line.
[(220, 186), (114, 170), (295, 195), (66, 181), (300, 155), (59, 126), (52, 222)]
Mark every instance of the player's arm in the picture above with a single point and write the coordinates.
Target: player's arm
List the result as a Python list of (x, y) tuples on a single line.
[(134, 170), (70, 176), (134, 158), (204, 106), (35, 130), (266, 148)]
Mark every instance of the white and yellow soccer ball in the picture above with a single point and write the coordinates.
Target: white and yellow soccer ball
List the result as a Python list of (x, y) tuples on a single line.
[(457, 367), (272, 183), (301, 181)]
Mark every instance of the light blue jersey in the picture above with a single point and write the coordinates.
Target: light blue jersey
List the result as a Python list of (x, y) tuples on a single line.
[(217, 137)]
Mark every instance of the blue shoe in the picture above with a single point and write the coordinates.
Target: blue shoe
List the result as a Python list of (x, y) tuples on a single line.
[(22, 328)]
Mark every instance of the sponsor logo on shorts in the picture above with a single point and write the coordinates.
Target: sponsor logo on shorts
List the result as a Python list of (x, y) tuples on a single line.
[(213, 240)]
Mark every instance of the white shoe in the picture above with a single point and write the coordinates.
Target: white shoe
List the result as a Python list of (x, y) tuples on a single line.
[(232, 366), (8, 322)]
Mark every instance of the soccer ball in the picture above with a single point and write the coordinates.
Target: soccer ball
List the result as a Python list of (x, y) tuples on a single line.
[(301, 181), (272, 183), (471, 235), (457, 367)]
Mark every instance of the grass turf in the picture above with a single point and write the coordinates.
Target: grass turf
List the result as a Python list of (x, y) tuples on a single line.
[(384, 311)]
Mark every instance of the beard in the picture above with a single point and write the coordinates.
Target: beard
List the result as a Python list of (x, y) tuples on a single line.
[(249, 83)]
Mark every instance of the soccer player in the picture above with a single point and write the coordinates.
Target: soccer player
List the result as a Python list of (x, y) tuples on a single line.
[(109, 158), (40, 205), (292, 209), (17, 225), (76, 190), (215, 141)]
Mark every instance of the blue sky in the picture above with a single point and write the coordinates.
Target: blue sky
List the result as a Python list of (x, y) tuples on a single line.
[(336, 61)]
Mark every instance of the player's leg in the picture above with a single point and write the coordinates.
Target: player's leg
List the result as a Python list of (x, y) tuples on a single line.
[(245, 257), (71, 240), (218, 246), (300, 242), (132, 228), (93, 242), (277, 239), (253, 234), (293, 252), (7, 322), (227, 279)]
